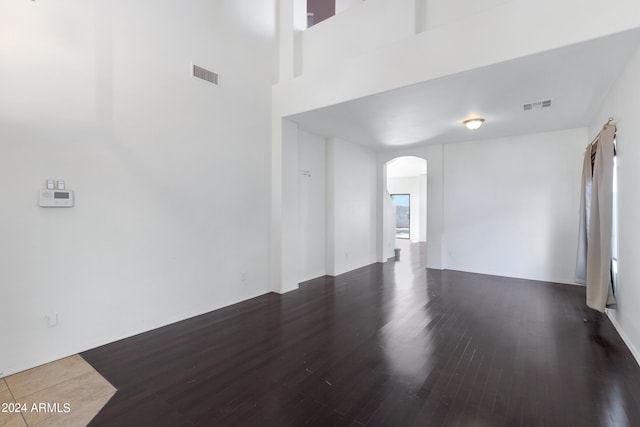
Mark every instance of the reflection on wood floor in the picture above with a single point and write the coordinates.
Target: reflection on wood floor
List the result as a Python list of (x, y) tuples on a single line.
[(387, 344)]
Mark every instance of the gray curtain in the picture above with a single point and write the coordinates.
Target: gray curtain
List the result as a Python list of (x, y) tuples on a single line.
[(593, 267)]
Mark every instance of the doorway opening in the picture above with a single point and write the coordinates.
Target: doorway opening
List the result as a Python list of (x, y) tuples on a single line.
[(402, 203), (404, 207)]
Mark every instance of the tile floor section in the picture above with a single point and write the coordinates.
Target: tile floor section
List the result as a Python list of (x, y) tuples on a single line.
[(67, 392)]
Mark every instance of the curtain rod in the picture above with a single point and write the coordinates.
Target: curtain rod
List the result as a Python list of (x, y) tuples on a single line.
[(598, 135)]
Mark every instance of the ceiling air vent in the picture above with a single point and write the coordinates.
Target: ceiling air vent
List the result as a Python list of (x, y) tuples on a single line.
[(205, 75), (538, 104)]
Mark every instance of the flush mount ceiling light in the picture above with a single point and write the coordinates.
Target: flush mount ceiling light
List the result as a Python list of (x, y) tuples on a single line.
[(473, 124)]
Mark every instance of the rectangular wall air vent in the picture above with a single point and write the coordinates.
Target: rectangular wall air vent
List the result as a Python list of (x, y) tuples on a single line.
[(205, 75), (538, 104)]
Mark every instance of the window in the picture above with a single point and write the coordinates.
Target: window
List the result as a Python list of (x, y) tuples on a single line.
[(403, 204), (614, 224)]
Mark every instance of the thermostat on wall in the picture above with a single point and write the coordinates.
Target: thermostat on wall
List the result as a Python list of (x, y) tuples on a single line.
[(56, 198)]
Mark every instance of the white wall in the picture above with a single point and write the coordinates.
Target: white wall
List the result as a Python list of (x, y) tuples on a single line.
[(411, 186), (511, 205), (402, 62), (443, 12), (290, 231), (623, 104), (342, 5), (388, 226), (352, 229), (355, 31), (312, 206), (377, 23), (171, 216), (422, 209), (399, 61)]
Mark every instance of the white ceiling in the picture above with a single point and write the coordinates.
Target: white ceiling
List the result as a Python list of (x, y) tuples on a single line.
[(575, 78)]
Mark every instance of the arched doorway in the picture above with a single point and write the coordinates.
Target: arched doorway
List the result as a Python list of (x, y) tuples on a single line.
[(405, 204)]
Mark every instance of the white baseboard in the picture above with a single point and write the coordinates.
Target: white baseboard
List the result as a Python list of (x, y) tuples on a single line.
[(632, 348)]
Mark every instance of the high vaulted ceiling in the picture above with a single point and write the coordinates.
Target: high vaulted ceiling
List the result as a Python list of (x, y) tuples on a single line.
[(576, 78)]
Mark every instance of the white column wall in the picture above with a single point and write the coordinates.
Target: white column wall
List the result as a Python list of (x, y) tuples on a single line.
[(312, 194), (423, 207), (352, 225), (388, 221), (290, 226)]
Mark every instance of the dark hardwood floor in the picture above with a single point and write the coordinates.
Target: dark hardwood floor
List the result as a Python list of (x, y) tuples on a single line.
[(388, 344)]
